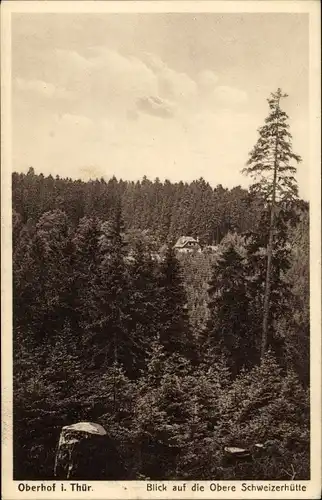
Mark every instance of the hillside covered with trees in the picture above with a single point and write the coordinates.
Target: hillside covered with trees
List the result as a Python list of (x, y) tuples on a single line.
[(163, 349), (167, 210)]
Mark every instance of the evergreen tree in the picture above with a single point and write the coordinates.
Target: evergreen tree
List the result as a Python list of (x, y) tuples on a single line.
[(201, 217), (155, 363), (181, 214), (270, 165), (205, 385), (55, 237), (295, 326), (86, 244), (143, 303), (266, 407), (166, 212), (281, 298), (196, 270), (230, 330), (110, 329), (175, 332), (34, 296), (109, 337), (167, 209), (162, 415)]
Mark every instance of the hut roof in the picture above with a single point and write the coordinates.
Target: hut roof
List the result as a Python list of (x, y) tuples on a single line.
[(183, 240)]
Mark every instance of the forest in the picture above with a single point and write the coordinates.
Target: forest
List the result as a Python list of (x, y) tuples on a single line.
[(164, 349)]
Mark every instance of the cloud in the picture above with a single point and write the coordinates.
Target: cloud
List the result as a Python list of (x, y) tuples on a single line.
[(78, 120), (101, 82), (129, 116), (71, 57), (171, 84), (40, 87), (132, 114), (107, 77), (155, 106), (207, 80), (177, 108), (104, 80), (229, 95)]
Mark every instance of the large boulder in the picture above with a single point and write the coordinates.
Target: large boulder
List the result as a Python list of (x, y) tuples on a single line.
[(82, 452)]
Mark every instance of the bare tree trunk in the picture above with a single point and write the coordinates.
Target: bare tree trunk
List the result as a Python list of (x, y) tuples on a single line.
[(269, 255), (268, 278)]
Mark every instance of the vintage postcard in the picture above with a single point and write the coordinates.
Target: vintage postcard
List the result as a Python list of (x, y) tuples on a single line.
[(161, 250)]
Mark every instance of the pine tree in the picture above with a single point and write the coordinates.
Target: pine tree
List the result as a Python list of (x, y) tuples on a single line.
[(229, 329), (43, 276), (205, 385), (281, 297), (86, 243), (166, 210), (55, 234), (31, 195), (143, 304), (109, 336), (270, 165), (296, 326), (163, 413), (175, 332), (26, 286), (267, 407)]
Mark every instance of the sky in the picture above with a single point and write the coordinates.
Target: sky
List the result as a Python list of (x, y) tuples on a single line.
[(176, 95)]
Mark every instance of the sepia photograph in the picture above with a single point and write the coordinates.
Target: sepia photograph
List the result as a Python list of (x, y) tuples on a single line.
[(160, 198)]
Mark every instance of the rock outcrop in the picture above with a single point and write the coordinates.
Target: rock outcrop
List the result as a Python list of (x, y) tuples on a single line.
[(82, 452)]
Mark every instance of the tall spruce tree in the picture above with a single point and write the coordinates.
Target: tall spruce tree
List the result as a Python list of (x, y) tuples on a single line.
[(281, 297), (175, 332), (143, 304), (107, 333), (230, 331), (270, 165), (86, 265)]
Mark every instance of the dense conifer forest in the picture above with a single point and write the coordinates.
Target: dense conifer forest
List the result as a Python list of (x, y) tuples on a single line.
[(162, 348)]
